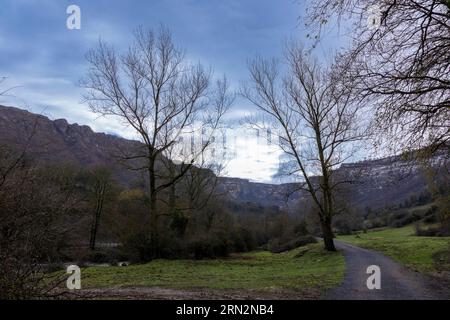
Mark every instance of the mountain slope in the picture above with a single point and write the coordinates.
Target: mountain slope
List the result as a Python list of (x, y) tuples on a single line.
[(380, 182), (58, 142)]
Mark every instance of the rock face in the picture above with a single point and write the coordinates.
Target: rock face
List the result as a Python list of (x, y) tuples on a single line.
[(375, 184), (58, 142), (379, 182)]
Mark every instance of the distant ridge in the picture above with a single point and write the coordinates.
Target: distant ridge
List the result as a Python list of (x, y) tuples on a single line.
[(56, 142)]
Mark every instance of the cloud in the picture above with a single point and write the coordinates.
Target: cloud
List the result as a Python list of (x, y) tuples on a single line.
[(46, 60)]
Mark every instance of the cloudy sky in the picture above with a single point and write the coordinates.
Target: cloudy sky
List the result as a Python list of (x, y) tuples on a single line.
[(44, 60)]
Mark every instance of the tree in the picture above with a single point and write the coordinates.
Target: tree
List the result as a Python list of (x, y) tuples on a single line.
[(401, 68), (317, 124), (4, 92), (100, 187), (155, 92), (35, 212), (198, 188)]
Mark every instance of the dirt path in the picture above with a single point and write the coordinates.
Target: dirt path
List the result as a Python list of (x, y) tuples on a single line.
[(397, 282), (156, 293)]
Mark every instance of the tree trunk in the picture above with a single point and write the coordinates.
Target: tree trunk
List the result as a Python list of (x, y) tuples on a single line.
[(172, 200), (153, 223), (153, 210), (93, 234), (327, 234), (96, 216)]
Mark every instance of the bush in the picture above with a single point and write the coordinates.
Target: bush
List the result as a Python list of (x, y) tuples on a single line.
[(139, 247), (98, 257), (278, 245), (301, 229), (242, 240), (209, 247), (107, 255), (430, 219), (346, 223), (203, 245), (398, 223), (438, 231), (404, 217), (304, 240)]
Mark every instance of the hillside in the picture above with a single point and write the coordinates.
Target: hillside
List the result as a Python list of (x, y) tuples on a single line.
[(380, 182), (376, 184), (58, 142)]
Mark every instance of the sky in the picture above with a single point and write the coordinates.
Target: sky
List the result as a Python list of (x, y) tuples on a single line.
[(44, 61)]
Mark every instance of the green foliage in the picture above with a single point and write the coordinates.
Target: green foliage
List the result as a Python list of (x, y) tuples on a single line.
[(260, 270), (401, 245), (400, 217)]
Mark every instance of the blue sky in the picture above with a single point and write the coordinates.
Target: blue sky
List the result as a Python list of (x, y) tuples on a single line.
[(45, 61)]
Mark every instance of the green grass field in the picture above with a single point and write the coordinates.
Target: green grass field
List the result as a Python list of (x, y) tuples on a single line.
[(424, 254), (302, 268)]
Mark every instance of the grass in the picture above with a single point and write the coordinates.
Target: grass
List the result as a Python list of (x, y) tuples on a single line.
[(418, 253), (302, 268)]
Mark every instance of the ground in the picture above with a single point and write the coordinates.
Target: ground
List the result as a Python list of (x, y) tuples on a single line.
[(412, 268), (419, 268), (303, 273), (427, 255), (396, 282)]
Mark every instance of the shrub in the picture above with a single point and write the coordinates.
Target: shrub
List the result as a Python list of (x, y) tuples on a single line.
[(301, 229), (437, 231), (107, 255), (139, 247), (398, 223), (212, 246), (242, 240), (430, 219), (278, 245), (404, 217), (346, 223), (98, 257)]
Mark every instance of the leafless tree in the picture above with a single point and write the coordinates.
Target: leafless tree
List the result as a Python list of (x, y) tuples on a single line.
[(317, 124), (5, 92), (156, 93), (197, 188), (35, 207), (34, 226), (100, 189), (401, 67)]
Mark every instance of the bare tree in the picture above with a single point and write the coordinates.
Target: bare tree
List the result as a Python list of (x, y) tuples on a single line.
[(197, 188), (5, 92), (317, 124), (100, 189), (401, 67), (155, 92), (34, 226), (200, 189)]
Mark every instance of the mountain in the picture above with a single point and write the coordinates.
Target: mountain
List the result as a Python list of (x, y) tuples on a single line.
[(380, 182), (57, 141), (375, 184)]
